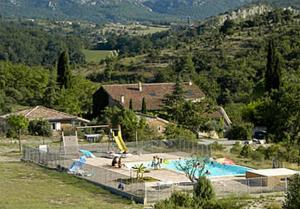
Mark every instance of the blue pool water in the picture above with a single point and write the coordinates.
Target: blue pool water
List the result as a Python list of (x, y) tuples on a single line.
[(215, 169)]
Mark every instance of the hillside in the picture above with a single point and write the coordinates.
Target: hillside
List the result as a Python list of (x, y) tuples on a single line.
[(101, 11), (29, 43), (229, 60)]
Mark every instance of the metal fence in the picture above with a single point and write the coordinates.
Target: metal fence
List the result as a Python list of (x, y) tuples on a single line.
[(113, 181), (241, 186), (152, 192), (222, 187), (142, 147)]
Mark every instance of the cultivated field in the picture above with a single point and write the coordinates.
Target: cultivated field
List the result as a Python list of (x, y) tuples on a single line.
[(96, 56)]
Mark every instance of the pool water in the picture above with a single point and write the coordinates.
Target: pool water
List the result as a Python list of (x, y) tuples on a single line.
[(215, 169)]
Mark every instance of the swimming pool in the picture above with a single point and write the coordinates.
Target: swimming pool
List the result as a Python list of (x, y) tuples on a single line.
[(215, 169)]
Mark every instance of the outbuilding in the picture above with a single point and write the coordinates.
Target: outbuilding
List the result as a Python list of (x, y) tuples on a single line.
[(271, 177), (58, 120)]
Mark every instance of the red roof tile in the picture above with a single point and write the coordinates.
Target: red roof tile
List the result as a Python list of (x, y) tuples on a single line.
[(40, 112), (154, 93)]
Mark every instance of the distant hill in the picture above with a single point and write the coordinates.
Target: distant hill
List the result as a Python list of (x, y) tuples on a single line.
[(196, 9), (101, 11)]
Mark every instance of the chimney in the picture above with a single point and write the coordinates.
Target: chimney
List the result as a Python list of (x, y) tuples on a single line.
[(123, 99), (190, 83), (140, 87)]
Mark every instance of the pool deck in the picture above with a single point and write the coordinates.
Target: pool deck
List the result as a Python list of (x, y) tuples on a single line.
[(163, 175)]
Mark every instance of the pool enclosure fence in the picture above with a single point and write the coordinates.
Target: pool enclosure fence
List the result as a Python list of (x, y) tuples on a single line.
[(61, 158)]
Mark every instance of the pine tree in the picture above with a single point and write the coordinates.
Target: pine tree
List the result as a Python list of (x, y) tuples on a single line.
[(173, 102), (144, 106), (273, 72), (63, 71), (177, 94), (130, 104), (50, 95), (189, 66)]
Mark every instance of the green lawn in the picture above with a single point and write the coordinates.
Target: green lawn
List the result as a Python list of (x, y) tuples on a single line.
[(26, 186), (96, 55)]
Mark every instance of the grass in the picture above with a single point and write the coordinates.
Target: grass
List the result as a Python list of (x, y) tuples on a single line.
[(28, 186), (248, 162), (95, 56)]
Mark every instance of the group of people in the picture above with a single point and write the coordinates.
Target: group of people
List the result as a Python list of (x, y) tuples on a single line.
[(199, 166), (156, 162), (117, 162)]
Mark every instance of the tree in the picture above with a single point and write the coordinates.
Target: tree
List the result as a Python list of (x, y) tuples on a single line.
[(173, 101), (193, 168), (51, 94), (129, 122), (227, 27), (40, 128), (108, 71), (241, 131), (246, 151), (63, 71), (130, 105), (273, 71), (292, 198), (144, 106), (175, 132), (140, 170), (18, 123), (203, 189), (188, 66)]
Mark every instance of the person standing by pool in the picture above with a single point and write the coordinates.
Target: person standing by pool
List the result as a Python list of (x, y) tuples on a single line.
[(160, 162), (114, 162), (153, 161), (120, 163)]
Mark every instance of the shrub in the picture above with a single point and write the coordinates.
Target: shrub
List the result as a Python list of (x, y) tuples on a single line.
[(258, 156), (177, 199), (40, 128), (246, 151), (240, 132), (203, 190), (274, 152), (175, 132), (292, 199), (217, 147), (236, 148)]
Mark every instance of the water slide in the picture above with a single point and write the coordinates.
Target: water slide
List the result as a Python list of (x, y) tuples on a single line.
[(120, 142)]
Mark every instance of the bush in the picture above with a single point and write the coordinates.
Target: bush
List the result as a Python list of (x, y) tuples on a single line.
[(40, 128), (217, 147), (175, 132), (203, 190), (292, 199), (236, 148), (258, 156), (177, 199), (246, 151), (240, 132)]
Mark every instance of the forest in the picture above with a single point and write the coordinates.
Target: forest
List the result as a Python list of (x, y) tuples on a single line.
[(26, 42)]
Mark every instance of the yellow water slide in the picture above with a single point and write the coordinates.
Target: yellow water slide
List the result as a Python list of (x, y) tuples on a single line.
[(120, 142)]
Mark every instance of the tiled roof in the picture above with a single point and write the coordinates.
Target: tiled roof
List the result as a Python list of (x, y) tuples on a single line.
[(40, 112), (154, 93)]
